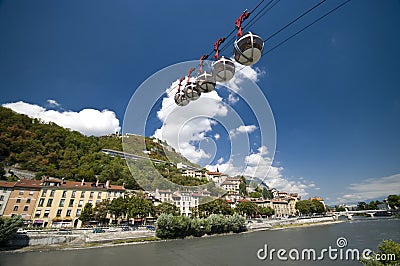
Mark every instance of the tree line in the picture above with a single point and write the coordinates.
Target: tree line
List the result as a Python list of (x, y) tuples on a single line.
[(50, 150)]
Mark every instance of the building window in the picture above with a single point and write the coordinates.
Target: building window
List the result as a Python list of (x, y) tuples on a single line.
[(59, 212), (115, 193), (71, 203), (18, 200), (78, 212), (1, 197), (26, 208), (82, 194), (23, 216), (73, 194), (80, 203), (52, 193), (91, 194), (46, 213), (28, 200), (69, 212), (21, 192), (62, 201), (99, 195), (109, 193), (37, 213), (15, 208), (49, 202), (31, 192), (41, 202), (64, 194), (44, 192)]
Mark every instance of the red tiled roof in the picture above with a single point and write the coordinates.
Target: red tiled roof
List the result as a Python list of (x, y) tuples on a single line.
[(6, 184), (27, 183), (214, 173)]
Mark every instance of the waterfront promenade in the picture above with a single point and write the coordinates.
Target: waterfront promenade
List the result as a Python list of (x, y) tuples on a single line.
[(86, 238), (233, 249)]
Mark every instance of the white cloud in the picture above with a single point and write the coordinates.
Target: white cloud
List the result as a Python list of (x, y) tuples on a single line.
[(243, 73), (259, 164), (242, 129), (87, 121), (53, 103), (371, 188), (183, 127), (232, 99), (217, 136)]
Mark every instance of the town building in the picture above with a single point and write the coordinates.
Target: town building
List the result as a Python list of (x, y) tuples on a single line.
[(5, 192), (231, 184), (217, 177), (22, 199), (190, 171), (61, 202)]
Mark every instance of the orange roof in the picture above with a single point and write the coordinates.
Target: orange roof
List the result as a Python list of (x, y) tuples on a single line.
[(214, 173), (27, 183), (6, 184)]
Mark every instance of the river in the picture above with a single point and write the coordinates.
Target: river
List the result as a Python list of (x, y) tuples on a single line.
[(237, 249)]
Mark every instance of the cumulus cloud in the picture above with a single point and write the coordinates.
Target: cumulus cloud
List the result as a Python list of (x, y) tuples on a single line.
[(87, 121), (259, 164), (53, 103), (232, 99), (242, 130), (242, 73), (371, 188), (217, 136)]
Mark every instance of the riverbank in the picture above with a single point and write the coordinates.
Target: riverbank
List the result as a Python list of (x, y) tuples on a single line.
[(86, 239)]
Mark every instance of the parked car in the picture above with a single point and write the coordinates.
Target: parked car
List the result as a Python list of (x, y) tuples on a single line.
[(126, 228), (98, 230), (150, 227)]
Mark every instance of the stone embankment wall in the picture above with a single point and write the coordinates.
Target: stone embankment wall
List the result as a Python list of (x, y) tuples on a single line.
[(72, 237)]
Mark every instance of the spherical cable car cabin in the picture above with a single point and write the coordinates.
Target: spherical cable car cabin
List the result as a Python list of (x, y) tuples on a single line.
[(223, 69), (191, 91), (205, 82), (248, 49), (181, 99)]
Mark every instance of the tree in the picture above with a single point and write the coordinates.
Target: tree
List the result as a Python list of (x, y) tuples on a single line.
[(87, 213), (361, 206), (119, 207), (246, 208), (310, 207), (9, 226), (218, 206), (242, 186), (255, 194), (100, 211), (2, 172), (266, 211), (385, 248), (303, 206), (339, 208), (394, 201), (139, 206), (167, 208)]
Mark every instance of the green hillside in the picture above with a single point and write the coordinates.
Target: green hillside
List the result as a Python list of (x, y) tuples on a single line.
[(48, 149)]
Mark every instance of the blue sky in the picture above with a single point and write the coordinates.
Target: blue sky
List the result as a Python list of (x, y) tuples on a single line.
[(333, 89)]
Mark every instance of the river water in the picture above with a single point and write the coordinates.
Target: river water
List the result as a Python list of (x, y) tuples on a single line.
[(238, 249)]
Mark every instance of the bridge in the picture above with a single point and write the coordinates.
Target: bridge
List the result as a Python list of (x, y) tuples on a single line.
[(350, 214)]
